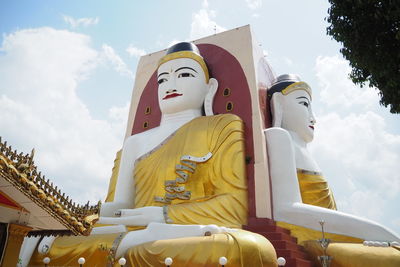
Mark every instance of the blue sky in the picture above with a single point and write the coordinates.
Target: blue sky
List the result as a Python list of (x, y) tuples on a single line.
[(67, 70)]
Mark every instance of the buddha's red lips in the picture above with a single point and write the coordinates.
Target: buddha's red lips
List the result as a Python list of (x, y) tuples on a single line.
[(171, 96), (312, 127)]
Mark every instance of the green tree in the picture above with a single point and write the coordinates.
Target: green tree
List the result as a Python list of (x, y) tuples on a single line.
[(370, 33)]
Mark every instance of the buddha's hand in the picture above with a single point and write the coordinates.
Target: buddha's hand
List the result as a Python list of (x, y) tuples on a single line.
[(108, 209), (45, 244), (135, 217)]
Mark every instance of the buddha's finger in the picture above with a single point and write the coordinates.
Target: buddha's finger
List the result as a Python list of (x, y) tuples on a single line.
[(106, 220)]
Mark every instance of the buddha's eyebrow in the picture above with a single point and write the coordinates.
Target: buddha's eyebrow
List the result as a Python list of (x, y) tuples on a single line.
[(186, 68), (162, 74), (303, 97)]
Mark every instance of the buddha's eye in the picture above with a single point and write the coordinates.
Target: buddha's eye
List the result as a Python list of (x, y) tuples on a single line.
[(185, 74), (160, 81), (304, 103)]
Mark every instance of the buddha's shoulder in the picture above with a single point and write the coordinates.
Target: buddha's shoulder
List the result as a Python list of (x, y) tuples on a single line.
[(145, 136)]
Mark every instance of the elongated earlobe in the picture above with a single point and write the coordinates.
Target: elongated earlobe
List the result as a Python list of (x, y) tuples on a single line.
[(276, 109), (209, 99)]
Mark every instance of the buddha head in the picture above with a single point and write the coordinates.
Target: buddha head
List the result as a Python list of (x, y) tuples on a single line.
[(290, 100), (184, 81)]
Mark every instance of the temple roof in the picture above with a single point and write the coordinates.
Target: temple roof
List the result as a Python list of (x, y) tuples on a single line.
[(26, 197)]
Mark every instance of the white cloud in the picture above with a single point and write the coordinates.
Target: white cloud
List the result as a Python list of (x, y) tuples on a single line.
[(356, 151), (396, 222), (118, 116), (288, 61), (254, 4), (203, 23), (85, 22), (40, 70), (135, 52), (109, 54), (337, 89), (119, 113), (361, 143)]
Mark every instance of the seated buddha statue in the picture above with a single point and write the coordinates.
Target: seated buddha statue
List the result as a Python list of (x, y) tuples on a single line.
[(181, 190), (301, 195)]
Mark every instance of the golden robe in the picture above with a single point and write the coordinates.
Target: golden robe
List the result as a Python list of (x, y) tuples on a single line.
[(198, 173), (213, 191), (314, 189)]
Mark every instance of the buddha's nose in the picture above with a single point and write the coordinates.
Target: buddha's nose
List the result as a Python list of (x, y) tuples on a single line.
[(170, 91), (313, 120)]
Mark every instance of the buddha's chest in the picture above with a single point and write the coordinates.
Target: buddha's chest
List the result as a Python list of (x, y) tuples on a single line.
[(174, 172)]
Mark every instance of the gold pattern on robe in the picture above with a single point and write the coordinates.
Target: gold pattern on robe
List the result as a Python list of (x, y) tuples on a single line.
[(176, 188)]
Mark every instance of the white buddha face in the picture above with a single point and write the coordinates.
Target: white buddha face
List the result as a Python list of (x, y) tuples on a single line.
[(297, 114), (181, 86)]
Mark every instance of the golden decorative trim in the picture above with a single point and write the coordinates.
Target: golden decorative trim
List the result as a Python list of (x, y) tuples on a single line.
[(115, 245), (154, 149), (20, 171), (297, 86), (167, 219), (187, 54), (175, 189), (145, 125), (147, 111)]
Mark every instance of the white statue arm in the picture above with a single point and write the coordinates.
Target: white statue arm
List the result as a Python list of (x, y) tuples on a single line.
[(288, 206), (124, 197), (124, 188)]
